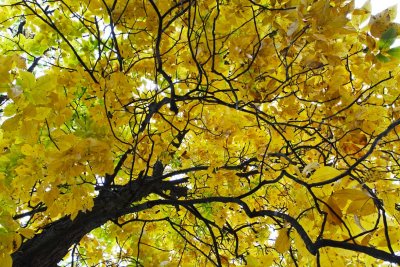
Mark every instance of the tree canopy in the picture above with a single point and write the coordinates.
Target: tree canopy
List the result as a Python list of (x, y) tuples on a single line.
[(198, 133)]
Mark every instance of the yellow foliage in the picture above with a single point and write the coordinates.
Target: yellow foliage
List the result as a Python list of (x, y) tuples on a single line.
[(6, 259), (282, 242), (382, 21), (323, 174), (334, 213), (182, 133)]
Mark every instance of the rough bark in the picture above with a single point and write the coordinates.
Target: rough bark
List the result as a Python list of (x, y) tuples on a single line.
[(51, 245), (48, 247)]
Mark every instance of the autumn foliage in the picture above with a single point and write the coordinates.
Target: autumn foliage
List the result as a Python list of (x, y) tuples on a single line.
[(198, 133)]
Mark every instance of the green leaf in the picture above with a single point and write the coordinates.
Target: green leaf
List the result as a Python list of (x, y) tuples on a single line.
[(387, 39), (394, 52), (27, 80), (382, 58)]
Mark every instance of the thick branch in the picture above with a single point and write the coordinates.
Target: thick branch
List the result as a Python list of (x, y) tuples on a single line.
[(47, 248)]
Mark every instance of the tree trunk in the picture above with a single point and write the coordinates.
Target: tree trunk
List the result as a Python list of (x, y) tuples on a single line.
[(49, 247)]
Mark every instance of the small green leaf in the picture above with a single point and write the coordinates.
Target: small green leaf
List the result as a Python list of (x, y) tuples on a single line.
[(394, 52), (387, 39), (27, 80), (382, 58)]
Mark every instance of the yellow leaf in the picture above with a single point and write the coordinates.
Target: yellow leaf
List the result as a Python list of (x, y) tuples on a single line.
[(54, 210), (27, 79), (282, 242), (26, 232), (310, 168), (6, 260), (379, 237), (5, 66), (10, 110), (11, 124), (42, 112), (16, 242), (380, 22), (361, 207), (362, 14), (334, 213), (361, 203), (371, 43), (27, 150), (266, 260), (46, 82), (220, 218), (366, 239), (324, 173), (19, 61), (351, 194), (365, 9)]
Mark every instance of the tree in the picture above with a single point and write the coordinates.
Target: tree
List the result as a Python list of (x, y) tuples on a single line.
[(198, 133)]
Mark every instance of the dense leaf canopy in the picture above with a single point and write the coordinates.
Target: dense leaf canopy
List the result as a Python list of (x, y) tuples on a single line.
[(198, 133)]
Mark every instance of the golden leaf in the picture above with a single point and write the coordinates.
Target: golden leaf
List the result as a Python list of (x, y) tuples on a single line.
[(5, 259), (323, 174), (282, 242), (334, 213), (380, 22), (26, 232), (361, 207)]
